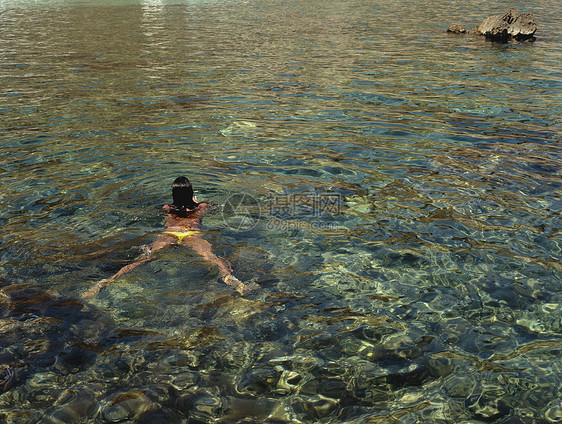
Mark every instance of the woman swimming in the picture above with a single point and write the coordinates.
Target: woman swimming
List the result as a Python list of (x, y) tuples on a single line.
[(183, 226)]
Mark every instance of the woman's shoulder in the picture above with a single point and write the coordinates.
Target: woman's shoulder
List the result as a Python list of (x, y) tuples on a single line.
[(203, 206)]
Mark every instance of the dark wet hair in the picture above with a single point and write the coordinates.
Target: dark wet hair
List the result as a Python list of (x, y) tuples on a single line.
[(182, 194)]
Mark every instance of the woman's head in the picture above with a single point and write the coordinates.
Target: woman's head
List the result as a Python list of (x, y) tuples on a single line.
[(182, 194)]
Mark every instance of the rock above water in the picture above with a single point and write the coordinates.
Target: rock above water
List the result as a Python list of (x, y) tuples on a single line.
[(511, 25), (520, 26), (457, 29)]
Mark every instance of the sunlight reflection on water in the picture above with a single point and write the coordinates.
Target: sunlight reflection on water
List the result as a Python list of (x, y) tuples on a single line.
[(403, 218)]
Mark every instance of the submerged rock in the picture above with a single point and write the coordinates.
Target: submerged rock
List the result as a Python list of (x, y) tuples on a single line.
[(74, 411), (127, 405), (314, 407), (553, 413), (7, 377), (44, 333), (511, 25)]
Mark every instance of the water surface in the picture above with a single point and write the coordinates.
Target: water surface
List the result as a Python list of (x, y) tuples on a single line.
[(393, 190)]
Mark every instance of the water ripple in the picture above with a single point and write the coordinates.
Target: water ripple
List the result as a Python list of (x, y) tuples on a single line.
[(406, 231)]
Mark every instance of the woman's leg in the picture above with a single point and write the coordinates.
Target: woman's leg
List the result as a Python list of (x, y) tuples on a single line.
[(205, 249), (162, 241)]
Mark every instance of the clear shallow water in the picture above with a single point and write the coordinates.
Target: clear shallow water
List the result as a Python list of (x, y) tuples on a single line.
[(404, 225)]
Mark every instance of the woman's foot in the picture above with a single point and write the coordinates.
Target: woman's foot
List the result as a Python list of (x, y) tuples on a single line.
[(240, 287), (95, 289)]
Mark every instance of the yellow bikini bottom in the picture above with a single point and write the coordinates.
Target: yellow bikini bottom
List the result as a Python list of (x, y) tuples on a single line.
[(182, 234)]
